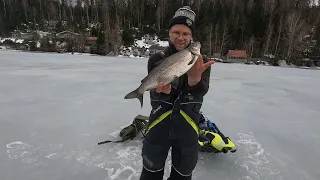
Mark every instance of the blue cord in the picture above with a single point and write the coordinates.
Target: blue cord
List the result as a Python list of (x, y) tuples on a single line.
[(212, 126)]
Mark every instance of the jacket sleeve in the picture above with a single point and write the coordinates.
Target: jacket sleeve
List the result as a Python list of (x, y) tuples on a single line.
[(202, 87)]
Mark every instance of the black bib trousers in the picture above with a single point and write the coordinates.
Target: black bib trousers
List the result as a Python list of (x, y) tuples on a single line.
[(172, 126)]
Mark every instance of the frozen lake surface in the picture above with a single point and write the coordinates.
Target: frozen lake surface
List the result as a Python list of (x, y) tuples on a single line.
[(55, 108)]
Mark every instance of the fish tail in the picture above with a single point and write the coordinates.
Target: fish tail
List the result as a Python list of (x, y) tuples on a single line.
[(135, 94)]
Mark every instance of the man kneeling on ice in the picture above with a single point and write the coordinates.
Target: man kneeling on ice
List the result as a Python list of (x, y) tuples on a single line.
[(174, 118)]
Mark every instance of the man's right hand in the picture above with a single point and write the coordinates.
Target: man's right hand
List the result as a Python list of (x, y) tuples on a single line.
[(163, 88)]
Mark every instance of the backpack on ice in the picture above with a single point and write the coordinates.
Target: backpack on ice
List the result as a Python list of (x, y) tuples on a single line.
[(130, 132)]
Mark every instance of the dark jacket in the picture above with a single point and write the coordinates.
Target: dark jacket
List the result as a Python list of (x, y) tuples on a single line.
[(180, 86), (174, 121)]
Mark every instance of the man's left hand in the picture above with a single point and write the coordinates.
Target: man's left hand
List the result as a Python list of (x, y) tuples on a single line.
[(195, 72)]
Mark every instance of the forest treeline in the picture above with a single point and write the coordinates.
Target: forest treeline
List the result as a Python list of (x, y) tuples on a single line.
[(287, 29)]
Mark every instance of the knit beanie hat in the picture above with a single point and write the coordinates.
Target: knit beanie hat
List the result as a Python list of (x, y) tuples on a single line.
[(184, 16)]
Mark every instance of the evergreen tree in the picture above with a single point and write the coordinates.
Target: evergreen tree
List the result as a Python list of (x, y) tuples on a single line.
[(127, 36), (260, 27), (101, 41)]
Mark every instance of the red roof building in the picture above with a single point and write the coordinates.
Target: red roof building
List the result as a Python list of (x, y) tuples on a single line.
[(91, 38), (237, 56), (91, 41)]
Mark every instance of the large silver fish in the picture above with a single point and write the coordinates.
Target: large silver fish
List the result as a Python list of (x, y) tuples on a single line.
[(168, 70)]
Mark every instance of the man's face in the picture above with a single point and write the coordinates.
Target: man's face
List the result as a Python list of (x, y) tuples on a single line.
[(180, 36)]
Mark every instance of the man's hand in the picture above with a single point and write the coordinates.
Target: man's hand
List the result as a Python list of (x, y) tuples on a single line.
[(163, 88), (195, 72)]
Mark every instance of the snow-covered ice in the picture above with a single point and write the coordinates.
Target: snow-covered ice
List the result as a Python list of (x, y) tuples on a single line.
[(55, 108)]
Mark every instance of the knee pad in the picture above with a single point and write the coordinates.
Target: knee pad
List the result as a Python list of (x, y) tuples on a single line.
[(186, 160), (153, 156)]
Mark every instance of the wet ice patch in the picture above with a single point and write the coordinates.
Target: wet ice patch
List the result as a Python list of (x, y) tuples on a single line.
[(127, 171), (53, 156), (126, 161), (29, 154), (55, 146), (122, 161), (18, 145), (18, 149), (254, 160)]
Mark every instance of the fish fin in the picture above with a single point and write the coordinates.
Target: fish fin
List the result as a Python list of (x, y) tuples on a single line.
[(135, 94)]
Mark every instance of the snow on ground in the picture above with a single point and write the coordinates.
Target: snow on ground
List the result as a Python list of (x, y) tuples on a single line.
[(163, 43), (143, 42), (55, 108), (20, 41)]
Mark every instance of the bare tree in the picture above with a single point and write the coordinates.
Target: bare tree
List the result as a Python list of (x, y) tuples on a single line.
[(25, 7), (106, 22), (272, 6), (216, 35), (4, 7), (279, 34), (87, 10), (71, 10), (158, 14), (223, 36), (294, 24), (208, 42), (250, 46)]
